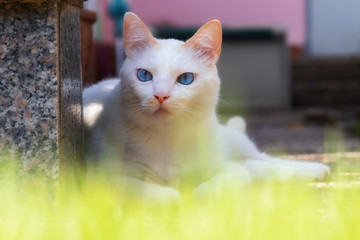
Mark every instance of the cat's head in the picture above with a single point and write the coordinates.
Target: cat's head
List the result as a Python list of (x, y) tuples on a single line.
[(170, 79)]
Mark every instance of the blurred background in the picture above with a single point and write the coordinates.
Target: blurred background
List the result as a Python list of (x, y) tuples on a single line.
[(289, 65)]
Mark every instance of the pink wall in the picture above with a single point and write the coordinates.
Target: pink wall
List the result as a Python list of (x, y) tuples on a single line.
[(106, 31), (104, 26), (286, 14)]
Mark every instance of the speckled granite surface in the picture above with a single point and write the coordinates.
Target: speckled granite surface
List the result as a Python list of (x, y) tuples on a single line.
[(28, 85), (77, 3)]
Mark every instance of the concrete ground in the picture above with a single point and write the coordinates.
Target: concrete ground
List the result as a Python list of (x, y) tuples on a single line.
[(303, 131)]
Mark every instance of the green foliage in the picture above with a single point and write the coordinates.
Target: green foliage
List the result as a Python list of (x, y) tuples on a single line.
[(100, 209)]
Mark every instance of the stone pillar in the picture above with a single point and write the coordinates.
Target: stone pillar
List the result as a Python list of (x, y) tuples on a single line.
[(40, 84)]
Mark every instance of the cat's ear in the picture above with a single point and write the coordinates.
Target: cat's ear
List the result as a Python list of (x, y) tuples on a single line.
[(137, 36), (207, 40)]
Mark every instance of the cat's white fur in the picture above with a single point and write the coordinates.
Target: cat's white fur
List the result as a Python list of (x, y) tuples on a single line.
[(159, 144)]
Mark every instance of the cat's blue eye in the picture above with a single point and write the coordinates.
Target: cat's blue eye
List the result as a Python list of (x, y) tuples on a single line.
[(186, 78), (144, 75)]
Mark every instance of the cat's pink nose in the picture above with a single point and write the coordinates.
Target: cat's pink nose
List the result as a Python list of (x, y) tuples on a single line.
[(161, 98)]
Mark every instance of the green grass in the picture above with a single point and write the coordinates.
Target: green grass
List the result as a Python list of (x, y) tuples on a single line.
[(100, 209)]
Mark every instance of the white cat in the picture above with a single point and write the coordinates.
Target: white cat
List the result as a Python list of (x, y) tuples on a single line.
[(157, 124)]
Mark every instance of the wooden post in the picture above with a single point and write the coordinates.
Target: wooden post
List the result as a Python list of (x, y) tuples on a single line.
[(40, 84)]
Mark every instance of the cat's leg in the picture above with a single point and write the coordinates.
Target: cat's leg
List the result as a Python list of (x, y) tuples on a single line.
[(232, 179), (282, 169), (237, 145), (150, 192), (93, 144), (131, 186)]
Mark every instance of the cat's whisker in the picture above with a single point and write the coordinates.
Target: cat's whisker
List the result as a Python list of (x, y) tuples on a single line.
[(227, 103), (185, 109)]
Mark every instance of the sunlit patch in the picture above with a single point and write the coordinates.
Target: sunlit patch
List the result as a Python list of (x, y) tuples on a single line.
[(92, 113), (338, 184)]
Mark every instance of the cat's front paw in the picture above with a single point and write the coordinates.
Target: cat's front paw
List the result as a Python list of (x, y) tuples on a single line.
[(312, 170), (149, 192), (160, 194), (223, 183), (271, 168), (307, 170)]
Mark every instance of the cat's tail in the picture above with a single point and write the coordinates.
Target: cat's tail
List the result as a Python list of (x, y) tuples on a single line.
[(237, 123)]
